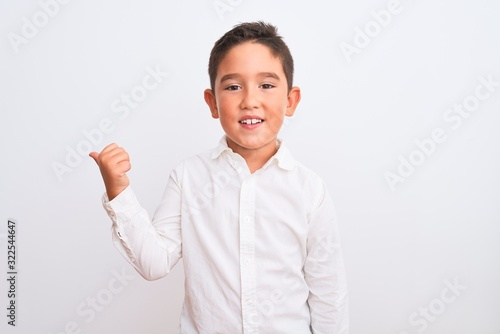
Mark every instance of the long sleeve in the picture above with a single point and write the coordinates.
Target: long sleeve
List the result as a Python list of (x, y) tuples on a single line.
[(324, 271), (152, 247)]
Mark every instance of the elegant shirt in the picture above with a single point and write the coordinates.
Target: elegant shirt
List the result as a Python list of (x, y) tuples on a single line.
[(261, 251)]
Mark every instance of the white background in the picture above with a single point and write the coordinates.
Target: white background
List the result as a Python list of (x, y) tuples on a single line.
[(358, 115)]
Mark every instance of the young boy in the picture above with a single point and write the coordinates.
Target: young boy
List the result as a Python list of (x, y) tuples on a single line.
[(256, 230)]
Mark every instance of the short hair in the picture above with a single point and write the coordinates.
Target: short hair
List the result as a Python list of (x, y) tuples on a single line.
[(257, 32)]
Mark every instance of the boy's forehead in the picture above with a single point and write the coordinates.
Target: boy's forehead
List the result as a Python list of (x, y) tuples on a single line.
[(249, 58)]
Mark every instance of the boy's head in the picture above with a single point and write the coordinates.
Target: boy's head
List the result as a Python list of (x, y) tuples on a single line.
[(256, 32), (251, 73)]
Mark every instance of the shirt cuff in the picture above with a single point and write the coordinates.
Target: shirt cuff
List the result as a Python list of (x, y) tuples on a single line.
[(121, 205)]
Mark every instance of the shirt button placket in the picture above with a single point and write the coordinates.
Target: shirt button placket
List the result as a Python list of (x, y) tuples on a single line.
[(247, 254)]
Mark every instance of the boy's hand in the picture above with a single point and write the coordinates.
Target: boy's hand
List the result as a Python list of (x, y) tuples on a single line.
[(113, 162)]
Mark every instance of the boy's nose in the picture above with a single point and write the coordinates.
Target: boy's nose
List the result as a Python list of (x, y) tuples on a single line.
[(250, 99)]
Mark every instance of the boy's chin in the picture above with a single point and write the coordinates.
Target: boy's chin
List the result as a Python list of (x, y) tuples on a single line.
[(250, 144)]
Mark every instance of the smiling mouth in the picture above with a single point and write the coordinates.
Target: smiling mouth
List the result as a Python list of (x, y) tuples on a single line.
[(251, 121)]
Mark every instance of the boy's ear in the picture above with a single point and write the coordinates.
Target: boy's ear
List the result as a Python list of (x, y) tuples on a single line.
[(211, 102), (293, 100)]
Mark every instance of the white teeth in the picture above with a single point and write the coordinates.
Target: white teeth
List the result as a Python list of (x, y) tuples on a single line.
[(251, 121)]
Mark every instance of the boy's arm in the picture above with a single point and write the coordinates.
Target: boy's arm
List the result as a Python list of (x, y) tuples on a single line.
[(324, 272), (152, 248)]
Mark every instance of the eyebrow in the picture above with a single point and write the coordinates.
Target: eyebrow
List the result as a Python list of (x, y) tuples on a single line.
[(262, 74)]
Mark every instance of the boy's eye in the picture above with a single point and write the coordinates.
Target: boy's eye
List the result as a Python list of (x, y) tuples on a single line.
[(233, 87), (267, 86)]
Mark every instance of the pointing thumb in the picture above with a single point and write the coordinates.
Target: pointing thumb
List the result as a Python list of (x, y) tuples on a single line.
[(94, 155)]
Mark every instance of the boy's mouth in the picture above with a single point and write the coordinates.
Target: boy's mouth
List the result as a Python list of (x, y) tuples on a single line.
[(251, 121)]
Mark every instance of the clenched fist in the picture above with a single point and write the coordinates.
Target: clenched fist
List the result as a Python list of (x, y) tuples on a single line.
[(113, 163)]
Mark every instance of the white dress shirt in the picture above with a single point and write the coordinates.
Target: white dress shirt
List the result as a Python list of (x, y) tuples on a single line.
[(261, 251)]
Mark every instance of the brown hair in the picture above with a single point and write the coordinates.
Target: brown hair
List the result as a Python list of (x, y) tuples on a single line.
[(257, 32)]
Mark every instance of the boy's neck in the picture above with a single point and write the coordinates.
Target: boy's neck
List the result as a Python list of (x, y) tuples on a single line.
[(255, 158)]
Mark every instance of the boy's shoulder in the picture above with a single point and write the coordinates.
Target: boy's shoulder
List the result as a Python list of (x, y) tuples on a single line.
[(220, 164)]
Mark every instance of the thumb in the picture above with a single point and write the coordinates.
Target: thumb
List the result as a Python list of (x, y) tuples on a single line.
[(94, 155)]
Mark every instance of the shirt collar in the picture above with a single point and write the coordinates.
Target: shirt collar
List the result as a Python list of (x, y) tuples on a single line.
[(283, 157)]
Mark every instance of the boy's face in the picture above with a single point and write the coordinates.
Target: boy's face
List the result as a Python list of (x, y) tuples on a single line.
[(251, 98)]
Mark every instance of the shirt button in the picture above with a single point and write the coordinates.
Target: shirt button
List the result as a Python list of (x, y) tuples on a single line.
[(247, 219), (247, 261), (249, 301)]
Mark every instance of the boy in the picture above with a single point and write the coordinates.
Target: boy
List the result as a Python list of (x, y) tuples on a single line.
[(256, 230)]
